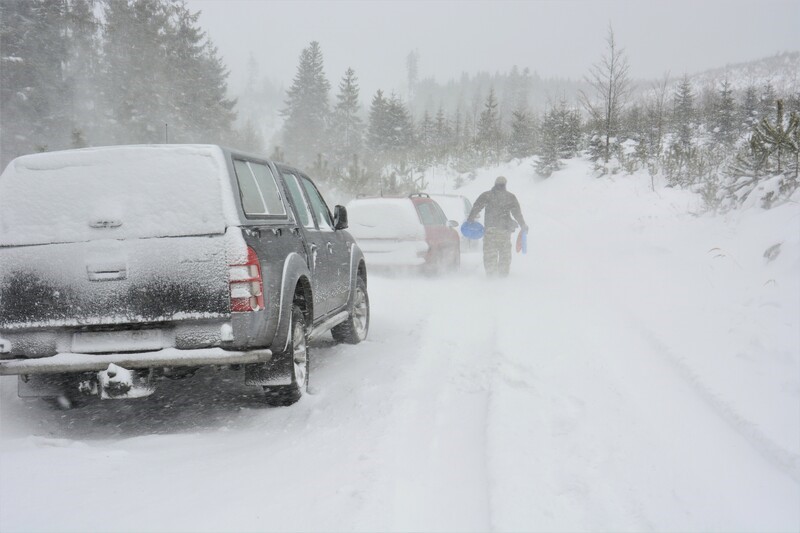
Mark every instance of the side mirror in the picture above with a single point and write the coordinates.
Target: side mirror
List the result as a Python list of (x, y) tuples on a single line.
[(339, 217), (453, 224)]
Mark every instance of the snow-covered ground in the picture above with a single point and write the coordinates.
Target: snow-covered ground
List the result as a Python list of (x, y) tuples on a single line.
[(639, 370)]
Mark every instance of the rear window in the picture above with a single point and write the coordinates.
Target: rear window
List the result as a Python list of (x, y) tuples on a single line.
[(113, 193), (384, 219), (431, 214)]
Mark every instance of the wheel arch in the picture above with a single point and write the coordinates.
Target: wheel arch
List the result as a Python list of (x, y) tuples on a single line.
[(295, 287)]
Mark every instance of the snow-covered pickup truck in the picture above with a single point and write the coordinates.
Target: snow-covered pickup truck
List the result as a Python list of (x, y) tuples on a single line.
[(122, 265)]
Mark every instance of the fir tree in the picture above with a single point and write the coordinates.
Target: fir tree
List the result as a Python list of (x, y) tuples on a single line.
[(749, 110), (135, 70), (683, 114), (426, 137), (488, 130), (766, 103), (34, 45), (378, 131), (306, 110), (559, 137), (520, 142), (347, 129), (443, 133), (202, 84), (400, 127), (725, 112)]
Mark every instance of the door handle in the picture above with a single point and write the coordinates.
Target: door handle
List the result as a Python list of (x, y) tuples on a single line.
[(296, 231), (277, 232)]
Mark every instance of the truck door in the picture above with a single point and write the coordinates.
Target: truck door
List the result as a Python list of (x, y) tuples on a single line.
[(317, 227)]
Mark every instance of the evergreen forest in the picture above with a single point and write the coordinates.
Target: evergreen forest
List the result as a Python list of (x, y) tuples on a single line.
[(77, 73)]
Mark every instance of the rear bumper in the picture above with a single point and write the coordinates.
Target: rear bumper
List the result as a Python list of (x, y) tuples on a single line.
[(168, 357), (384, 253)]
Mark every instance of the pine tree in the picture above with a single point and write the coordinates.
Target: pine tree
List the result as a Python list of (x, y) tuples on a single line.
[(749, 110), (656, 121), (400, 128), (775, 143), (426, 137), (683, 114), (378, 132), (520, 142), (488, 130), (307, 110), (559, 137), (725, 113), (34, 46), (766, 103), (248, 138), (347, 129), (443, 134), (135, 70), (202, 84)]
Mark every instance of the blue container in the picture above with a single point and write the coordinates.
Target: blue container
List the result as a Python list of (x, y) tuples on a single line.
[(472, 230)]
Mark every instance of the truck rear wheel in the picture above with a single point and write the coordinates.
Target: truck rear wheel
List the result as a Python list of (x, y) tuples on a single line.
[(297, 349), (355, 328)]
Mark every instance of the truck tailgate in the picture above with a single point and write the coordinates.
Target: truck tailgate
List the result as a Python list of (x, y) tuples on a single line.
[(137, 281)]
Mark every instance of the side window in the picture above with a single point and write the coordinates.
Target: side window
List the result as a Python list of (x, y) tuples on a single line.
[(318, 205), (252, 203), (269, 189), (430, 214), (441, 218), (260, 196), (303, 212)]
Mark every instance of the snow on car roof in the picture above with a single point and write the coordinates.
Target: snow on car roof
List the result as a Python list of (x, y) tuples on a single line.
[(115, 192), (384, 218)]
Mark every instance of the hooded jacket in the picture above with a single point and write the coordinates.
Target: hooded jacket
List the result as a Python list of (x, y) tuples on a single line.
[(500, 206)]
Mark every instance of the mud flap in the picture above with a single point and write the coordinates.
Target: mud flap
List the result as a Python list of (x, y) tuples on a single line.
[(277, 371)]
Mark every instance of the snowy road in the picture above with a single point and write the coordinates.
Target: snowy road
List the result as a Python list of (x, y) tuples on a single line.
[(620, 379)]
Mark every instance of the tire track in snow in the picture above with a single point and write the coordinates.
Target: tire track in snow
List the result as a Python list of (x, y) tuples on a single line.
[(437, 473), (782, 459)]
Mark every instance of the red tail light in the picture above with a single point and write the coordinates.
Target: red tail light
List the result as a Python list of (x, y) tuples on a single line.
[(247, 285)]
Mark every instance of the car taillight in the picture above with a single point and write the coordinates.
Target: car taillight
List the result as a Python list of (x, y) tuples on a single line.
[(247, 285)]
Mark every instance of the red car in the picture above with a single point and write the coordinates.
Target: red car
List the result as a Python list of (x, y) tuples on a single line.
[(410, 231)]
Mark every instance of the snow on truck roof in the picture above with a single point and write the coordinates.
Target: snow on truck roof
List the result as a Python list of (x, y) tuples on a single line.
[(116, 192)]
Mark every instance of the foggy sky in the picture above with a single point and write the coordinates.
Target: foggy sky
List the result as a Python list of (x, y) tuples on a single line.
[(553, 38)]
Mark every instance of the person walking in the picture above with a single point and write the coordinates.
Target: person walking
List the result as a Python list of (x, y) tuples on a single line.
[(501, 206)]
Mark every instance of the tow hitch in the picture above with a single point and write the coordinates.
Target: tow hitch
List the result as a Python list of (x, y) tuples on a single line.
[(117, 382)]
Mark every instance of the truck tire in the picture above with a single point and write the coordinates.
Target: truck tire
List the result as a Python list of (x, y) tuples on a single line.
[(355, 328), (297, 350)]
